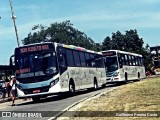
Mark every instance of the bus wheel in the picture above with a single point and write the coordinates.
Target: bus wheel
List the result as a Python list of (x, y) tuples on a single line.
[(138, 77), (71, 89), (126, 78), (95, 84), (104, 85), (36, 99)]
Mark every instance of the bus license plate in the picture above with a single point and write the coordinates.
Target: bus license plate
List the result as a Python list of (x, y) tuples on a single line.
[(36, 91)]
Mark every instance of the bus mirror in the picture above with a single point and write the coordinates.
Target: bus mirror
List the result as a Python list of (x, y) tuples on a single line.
[(10, 62), (120, 65), (61, 57)]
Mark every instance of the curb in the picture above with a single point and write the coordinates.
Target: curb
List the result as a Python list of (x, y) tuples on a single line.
[(7, 100), (87, 98), (80, 101)]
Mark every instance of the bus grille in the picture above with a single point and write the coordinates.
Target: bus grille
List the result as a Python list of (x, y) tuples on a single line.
[(42, 89)]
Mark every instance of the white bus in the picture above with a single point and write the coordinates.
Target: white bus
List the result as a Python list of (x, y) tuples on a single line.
[(48, 68), (123, 66)]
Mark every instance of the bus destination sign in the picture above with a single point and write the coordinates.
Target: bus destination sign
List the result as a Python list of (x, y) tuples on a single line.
[(33, 48), (110, 53)]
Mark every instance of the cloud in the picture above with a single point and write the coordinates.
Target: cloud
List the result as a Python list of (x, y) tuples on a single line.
[(90, 21)]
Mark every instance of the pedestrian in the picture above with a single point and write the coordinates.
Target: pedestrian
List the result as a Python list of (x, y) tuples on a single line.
[(8, 87), (155, 71), (148, 73), (13, 89), (3, 89)]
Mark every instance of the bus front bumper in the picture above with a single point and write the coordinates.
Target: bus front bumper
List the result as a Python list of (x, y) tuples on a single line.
[(112, 80), (41, 92)]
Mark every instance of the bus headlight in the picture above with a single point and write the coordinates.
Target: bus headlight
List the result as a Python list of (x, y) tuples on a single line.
[(19, 87), (54, 82), (116, 74)]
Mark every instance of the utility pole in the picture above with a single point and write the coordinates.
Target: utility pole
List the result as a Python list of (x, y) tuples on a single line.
[(14, 22)]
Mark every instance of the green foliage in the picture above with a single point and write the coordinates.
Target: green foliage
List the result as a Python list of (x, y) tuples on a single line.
[(63, 32), (130, 41)]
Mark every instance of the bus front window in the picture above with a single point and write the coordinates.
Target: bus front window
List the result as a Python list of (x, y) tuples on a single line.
[(111, 64), (36, 64)]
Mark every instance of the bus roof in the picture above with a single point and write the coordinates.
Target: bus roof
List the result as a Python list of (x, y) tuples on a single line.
[(62, 45), (124, 52), (35, 44), (77, 48)]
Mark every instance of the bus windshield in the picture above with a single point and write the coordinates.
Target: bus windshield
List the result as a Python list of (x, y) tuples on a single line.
[(36, 64), (111, 64)]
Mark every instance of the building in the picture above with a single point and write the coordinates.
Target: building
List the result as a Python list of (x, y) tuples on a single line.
[(5, 70), (155, 52)]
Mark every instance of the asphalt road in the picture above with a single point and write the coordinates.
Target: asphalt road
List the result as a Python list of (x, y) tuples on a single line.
[(53, 104)]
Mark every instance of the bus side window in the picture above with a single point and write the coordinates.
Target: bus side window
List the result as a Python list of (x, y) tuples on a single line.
[(88, 61), (120, 60), (123, 59), (133, 60), (82, 59), (142, 61), (136, 60), (99, 61), (139, 62), (93, 63), (130, 60), (126, 60), (76, 58), (61, 59)]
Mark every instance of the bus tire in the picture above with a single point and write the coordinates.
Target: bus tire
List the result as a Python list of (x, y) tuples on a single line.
[(104, 85), (95, 84), (36, 99), (139, 77), (126, 78), (71, 88)]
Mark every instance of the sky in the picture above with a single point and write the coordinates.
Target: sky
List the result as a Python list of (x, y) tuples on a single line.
[(96, 18)]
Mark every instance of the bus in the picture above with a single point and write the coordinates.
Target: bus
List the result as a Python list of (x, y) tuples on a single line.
[(42, 69), (122, 66)]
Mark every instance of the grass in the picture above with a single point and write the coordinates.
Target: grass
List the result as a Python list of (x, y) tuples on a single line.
[(139, 96)]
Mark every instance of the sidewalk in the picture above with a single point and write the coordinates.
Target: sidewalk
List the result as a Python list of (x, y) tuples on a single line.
[(7, 99), (7, 103)]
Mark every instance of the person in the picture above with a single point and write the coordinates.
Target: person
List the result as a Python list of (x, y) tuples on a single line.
[(155, 71), (13, 89), (8, 87), (148, 73), (3, 89)]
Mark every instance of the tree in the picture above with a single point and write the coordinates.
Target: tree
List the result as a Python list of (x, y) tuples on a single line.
[(117, 41), (130, 41), (63, 32), (106, 44)]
